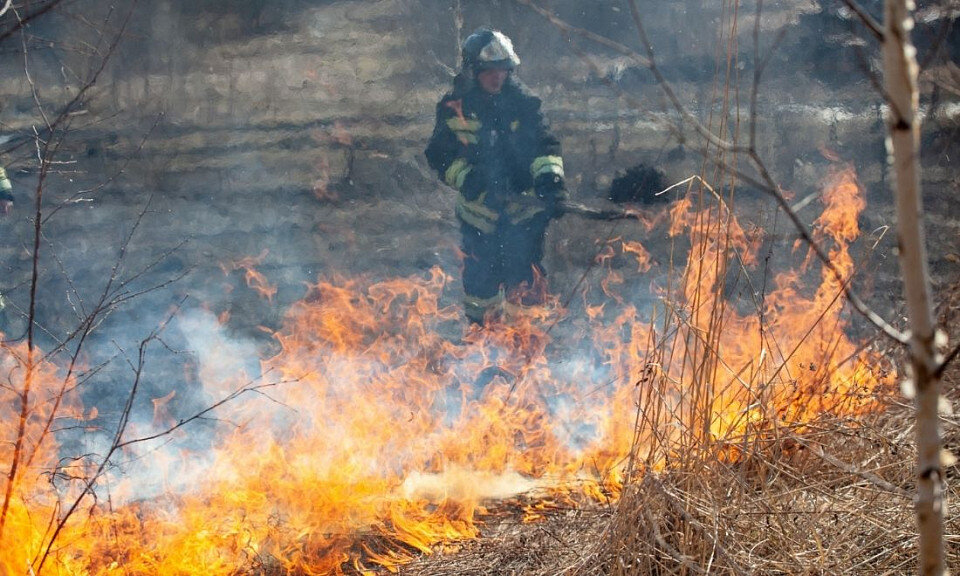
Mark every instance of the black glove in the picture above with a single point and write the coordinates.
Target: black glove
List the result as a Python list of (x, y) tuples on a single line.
[(473, 184), (548, 188)]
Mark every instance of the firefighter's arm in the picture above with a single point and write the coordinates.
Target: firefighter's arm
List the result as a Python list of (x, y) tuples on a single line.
[(6, 193), (546, 169), (448, 151)]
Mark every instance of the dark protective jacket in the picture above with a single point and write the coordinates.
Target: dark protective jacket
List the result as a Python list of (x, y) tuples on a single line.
[(492, 148), (6, 189)]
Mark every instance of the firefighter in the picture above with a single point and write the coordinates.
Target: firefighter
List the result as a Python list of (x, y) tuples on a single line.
[(492, 144), (6, 206), (6, 193)]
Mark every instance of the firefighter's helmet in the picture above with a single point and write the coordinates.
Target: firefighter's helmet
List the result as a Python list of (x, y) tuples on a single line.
[(486, 49)]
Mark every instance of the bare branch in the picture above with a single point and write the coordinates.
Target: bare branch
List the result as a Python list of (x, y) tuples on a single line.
[(22, 22), (872, 25), (639, 60), (33, 86), (765, 183), (938, 373), (76, 196), (90, 482), (855, 301), (759, 66), (202, 415), (46, 152)]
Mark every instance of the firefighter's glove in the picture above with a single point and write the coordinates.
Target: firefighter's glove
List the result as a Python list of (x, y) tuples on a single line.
[(473, 184), (549, 188), (548, 185)]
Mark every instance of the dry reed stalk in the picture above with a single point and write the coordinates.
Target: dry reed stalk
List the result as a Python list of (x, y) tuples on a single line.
[(781, 510), (820, 497)]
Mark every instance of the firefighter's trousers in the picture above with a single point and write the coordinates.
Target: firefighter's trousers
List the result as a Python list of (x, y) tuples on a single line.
[(501, 265)]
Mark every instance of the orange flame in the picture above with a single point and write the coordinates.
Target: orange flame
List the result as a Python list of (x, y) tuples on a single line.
[(640, 253), (34, 401), (254, 278), (374, 438)]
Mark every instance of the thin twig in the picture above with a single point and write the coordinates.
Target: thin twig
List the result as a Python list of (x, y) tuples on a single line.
[(872, 25), (765, 183), (855, 470), (721, 550), (73, 198), (942, 367), (22, 22)]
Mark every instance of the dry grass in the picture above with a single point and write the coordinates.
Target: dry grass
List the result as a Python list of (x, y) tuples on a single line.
[(828, 496), (831, 496), (833, 499), (837, 503), (563, 542)]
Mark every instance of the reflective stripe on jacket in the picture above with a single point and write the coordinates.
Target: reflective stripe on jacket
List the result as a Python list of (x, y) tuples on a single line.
[(502, 143)]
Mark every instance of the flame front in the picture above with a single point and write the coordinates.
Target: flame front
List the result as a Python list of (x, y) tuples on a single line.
[(372, 438)]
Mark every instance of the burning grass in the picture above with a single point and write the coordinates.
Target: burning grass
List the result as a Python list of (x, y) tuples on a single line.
[(833, 498), (375, 439)]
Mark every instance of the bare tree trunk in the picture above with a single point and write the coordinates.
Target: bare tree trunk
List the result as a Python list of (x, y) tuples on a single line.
[(900, 74)]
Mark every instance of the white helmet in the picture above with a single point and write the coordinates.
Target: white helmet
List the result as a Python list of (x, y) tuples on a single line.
[(485, 49)]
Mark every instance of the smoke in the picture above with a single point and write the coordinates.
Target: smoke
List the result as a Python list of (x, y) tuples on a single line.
[(168, 449), (458, 484), (223, 361)]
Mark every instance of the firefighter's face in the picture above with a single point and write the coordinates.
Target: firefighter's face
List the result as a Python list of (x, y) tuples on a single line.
[(492, 80)]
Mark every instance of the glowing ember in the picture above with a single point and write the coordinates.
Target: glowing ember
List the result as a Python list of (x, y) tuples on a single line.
[(372, 438)]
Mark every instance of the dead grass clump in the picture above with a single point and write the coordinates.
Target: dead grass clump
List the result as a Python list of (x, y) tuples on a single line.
[(836, 498)]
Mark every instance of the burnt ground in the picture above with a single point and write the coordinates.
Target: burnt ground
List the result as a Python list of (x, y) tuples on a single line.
[(564, 540), (303, 148)]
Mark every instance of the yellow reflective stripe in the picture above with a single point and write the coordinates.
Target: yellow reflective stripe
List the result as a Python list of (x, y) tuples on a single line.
[(466, 130), (456, 173), (461, 177), (524, 210), (476, 214), (476, 308), (478, 207), (477, 222), (478, 302), (525, 214), (547, 165), (458, 124)]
